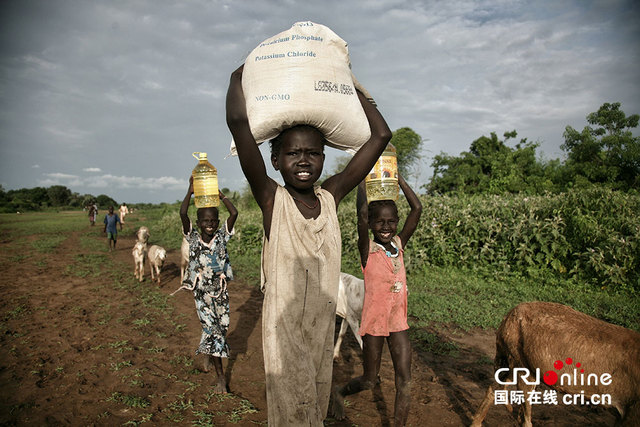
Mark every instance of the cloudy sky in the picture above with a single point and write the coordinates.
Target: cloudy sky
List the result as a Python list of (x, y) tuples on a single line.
[(112, 97)]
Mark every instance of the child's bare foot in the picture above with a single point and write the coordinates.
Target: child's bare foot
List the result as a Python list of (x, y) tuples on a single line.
[(337, 404), (221, 386)]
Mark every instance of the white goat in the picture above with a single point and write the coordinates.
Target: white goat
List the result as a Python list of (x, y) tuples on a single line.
[(143, 234), (157, 255), (349, 307), (139, 253), (184, 258), (591, 357)]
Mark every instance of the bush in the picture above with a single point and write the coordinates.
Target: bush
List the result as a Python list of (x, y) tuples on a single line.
[(591, 235)]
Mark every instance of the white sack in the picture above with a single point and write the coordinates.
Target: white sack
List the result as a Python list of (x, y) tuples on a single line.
[(303, 76)]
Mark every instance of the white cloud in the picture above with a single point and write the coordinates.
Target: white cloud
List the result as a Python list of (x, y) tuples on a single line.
[(92, 170), (39, 62), (60, 175), (67, 133), (58, 178), (120, 182), (112, 184), (148, 84)]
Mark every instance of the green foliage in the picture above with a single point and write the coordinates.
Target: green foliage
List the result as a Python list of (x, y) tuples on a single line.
[(25, 199), (408, 145), (473, 257), (471, 297), (105, 201), (59, 195), (166, 230), (490, 166), (591, 235), (39, 198), (47, 244), (245, 248), (14, 226), (605, 152)]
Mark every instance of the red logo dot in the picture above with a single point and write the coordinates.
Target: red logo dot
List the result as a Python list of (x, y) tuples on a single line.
[(578, 364), (569, 361), (558, 364), (550, 378)]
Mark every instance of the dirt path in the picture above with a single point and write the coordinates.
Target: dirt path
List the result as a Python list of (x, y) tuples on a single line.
[(82, 343)]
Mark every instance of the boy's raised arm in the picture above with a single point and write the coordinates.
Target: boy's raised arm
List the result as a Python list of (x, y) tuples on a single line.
[(262, 187), (413, 217), (362, 162)]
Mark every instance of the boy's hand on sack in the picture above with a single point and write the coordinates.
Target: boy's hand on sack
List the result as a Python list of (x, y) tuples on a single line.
[(238, 71)]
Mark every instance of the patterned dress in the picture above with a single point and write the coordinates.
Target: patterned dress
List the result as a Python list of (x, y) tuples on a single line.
[(206, 276)]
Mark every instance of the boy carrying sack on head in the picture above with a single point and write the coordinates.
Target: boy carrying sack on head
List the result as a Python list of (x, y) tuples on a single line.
[(301, 255)]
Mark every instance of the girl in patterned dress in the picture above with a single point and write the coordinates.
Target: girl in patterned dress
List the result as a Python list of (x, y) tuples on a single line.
[(207, 276), (384, 312)]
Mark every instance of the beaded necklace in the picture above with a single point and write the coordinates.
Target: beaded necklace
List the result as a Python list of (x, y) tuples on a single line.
[(388, 253)]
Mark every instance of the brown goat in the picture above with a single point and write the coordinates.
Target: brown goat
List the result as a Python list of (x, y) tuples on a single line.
[(588, 356)]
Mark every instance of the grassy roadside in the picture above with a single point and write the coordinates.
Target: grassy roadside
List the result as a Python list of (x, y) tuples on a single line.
[(469, 299), (460, 296), (465, 296)]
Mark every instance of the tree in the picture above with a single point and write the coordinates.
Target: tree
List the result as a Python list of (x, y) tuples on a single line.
[(4, 197), (490, 166), (105, 201), (408, 146), (59, 195), (606, 151), (87, 199), (38, 196)]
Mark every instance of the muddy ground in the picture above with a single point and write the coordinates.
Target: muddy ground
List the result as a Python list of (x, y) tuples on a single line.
[(83, 343)]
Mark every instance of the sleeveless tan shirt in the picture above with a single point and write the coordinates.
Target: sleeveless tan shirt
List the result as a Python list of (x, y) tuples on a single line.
[(300, 274)]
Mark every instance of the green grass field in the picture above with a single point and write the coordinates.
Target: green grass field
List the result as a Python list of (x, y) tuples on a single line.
[(473, 293)]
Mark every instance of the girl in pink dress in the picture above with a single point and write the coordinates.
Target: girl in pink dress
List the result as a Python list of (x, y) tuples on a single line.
[(384, 313)]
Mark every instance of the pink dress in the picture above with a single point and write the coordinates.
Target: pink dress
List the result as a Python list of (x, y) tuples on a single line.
[(385, 292)]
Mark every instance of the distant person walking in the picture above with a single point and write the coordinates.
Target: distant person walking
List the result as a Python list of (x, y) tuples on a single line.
[(110, 227), (93, 214), (124, 210)]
